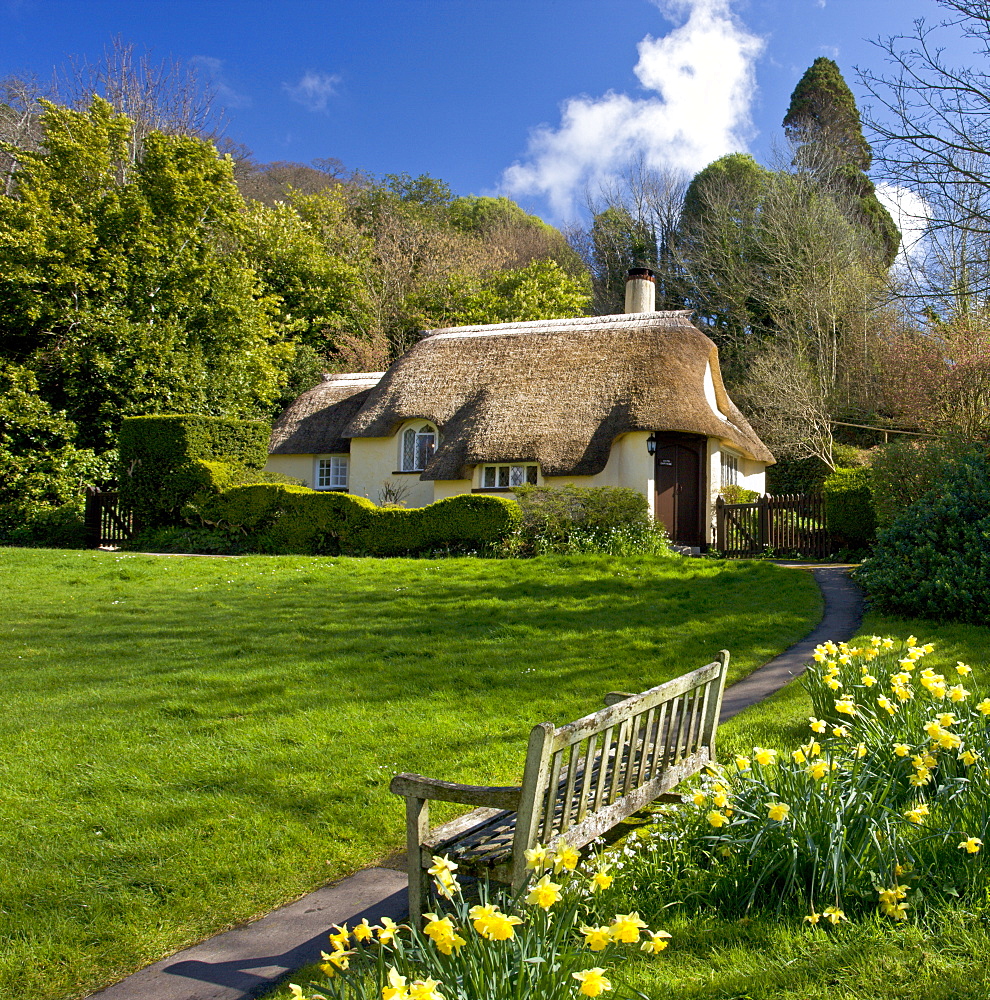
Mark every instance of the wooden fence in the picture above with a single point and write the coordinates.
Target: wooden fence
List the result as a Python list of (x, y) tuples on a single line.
[(107, 523), (790, 524)]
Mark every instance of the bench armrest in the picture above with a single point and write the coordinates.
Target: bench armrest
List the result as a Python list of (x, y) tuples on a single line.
[(417, 787)]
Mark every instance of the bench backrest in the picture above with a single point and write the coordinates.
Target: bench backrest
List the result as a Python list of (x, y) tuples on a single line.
[(583, 778)]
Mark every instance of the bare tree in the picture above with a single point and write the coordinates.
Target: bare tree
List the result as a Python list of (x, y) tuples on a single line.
[(19, 123), (930, 127)]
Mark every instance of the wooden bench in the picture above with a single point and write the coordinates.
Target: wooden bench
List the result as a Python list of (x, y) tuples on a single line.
[(579, 781)]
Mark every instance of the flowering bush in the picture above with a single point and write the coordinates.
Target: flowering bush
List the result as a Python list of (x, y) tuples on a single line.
[(886, 804), (533, 944)]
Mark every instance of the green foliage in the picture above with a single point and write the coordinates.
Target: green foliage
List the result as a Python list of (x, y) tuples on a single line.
[(40, 525), (933, 561), (294, 519), (121, 282), (905, 470), (738, 494), (39, 463), (824, 123), (555, 518), (163, 460), (797, 475), (849, 512)]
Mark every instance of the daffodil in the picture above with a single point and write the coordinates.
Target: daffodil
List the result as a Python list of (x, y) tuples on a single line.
[(480, 915), (984, 707), (441, 932), (764, 757), (601, 879), (387, 931), (655, 942), (813, 918), (363, 931), (339, 937), (626, 927), (593, 982), (699, 798), (969, 758), (501, 926), (537, 857), (963, 668), (971, 845), (441, 865), (817, 725), (818, 770), (833, 914), (396, 989), (861, 750), (798, 756), (425, 989), (813, 748), (337, 959), (597, 938), (778, 811), (920, 777), (887, 705), (565, 857), (845, 706), (717, 819), (868, 680), (958, 693), (917, 814), (544, 893), (841, 731), (720, 800), (742, 763)]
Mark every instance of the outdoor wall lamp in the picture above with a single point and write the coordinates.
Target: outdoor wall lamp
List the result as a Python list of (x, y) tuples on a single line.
[(651, 444)]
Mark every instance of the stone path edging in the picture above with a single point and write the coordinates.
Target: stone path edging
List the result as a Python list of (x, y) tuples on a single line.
[(250, 960)]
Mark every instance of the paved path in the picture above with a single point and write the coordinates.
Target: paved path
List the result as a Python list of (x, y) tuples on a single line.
[(249, 960)]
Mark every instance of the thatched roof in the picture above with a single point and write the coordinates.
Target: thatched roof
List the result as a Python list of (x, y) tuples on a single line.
[(556, 391), (314, 423)]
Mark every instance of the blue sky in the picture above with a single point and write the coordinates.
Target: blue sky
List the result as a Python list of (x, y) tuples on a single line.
[(538, 99)]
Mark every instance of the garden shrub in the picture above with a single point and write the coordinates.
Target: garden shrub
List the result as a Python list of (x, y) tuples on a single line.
[(159, 454), (796, 475), (295, 519), (41, 525), (731, 493), (554, 517), (934, 560), (849, 513), (905, 470)]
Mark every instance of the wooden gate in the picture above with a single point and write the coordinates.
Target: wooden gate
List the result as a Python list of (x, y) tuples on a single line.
[(787, 524), (107, 523)]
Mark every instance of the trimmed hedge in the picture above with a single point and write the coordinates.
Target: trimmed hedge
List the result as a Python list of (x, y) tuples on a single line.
[(934, 560), (298, 520), (159, 456), (849, 514)]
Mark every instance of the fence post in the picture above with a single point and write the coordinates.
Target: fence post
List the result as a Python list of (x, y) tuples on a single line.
[(763, 532), (720, 524), (92, 517)]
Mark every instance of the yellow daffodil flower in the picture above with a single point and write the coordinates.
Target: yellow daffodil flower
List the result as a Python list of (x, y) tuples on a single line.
[(869, 680), (778, 811), (425, 989), (928, 648), (887, 643), (845, 706), (655, 942), (969, 758), (387, 931), (544, 894), (875, 640), (396, 989), (536, 857), (830, 647), (597, 938), (933, 730), (984, 707), (947, 719), (593, 982), (565, 857), (901, 749), (963, 668), (886, 704), (920, 777), (812, 749), (699, 798), (861, 750), (481, 915), (813, 918), (500, 927), (798, 756), (817, 725), (336, 960), (717, 819), (601, 879), (764, 757), (818, 770), (339, 937), (841, 731), (833, 914), (441, 865), (363, 931), (971, 845), (742, 763), (626, 927), (958, 693), (833, 684)]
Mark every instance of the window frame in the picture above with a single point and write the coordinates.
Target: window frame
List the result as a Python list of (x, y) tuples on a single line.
[(334, 465), (729, 461), (530, 469), (422, 451)]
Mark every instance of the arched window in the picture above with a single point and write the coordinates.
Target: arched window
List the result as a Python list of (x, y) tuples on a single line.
[(418, 446)]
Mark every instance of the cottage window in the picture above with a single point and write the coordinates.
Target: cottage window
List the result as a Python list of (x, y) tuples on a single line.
[(331, 473), (418, 446), (503, 477), (730, 469)]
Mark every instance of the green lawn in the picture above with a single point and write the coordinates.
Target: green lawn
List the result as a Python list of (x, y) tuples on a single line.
[(189, 742)]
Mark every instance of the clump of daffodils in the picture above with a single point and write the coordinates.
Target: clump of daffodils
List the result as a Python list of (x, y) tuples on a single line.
[(466, 950), (894, 776)]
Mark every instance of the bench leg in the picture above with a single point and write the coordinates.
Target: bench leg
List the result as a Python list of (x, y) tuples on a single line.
[(417, 829)]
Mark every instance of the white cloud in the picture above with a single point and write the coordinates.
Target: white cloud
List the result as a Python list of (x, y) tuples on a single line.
[(703, 75), (213, 69), (314, 90), (910, 213)]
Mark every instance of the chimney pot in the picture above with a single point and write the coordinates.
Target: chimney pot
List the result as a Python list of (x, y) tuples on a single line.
[(641, 290)]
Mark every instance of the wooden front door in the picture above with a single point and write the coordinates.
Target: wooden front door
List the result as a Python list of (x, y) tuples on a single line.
[(680, 486)]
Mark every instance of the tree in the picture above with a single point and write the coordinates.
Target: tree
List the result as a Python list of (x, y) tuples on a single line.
[(121, 282), (929, 120)]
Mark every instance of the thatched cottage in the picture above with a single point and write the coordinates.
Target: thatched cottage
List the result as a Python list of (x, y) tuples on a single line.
[(631, 400)]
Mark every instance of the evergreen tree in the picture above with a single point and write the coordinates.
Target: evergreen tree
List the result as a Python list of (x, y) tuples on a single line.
[(824, 125)]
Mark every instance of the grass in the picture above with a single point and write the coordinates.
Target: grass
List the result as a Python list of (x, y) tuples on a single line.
[(770, 958), (188, 743)]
